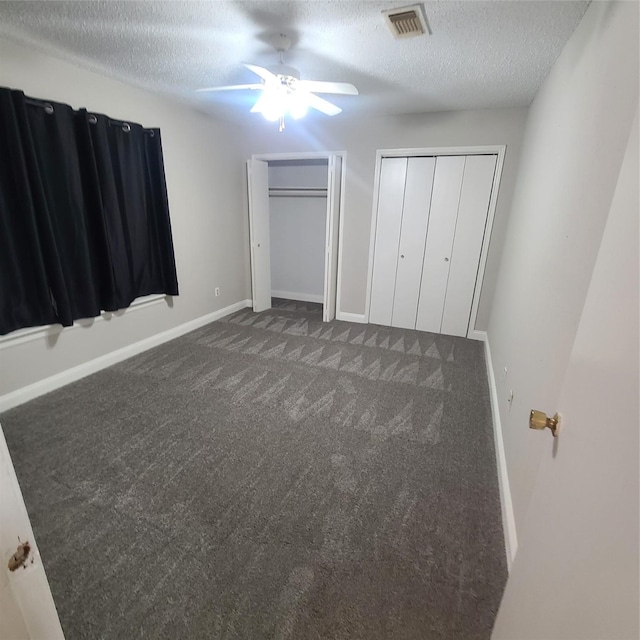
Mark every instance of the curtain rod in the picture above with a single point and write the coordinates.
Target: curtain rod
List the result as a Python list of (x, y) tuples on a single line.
[(93, 119)]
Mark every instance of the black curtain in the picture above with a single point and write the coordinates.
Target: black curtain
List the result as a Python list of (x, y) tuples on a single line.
[(84, 215)]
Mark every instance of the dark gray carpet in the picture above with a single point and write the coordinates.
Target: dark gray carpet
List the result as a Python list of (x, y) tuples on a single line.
[(270, 476)]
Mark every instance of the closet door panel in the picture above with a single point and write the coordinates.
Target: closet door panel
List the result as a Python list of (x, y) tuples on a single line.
[(332, 226), (442, 226), (393, 173), (258, 193), (472, 218), (415, 218)]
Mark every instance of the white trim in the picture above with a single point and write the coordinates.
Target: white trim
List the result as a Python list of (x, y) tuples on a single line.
[(328, 241), (484, 251), (476, 334), (343, 183), (360, 318), (300, 297), (33, 333), (252, 258), (508, 517), (499, 151), (440, 151), (298, 155), (372, 231), (20, 396)]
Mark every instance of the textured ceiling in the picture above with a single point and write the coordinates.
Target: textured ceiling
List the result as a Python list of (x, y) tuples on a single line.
[(480, 54)]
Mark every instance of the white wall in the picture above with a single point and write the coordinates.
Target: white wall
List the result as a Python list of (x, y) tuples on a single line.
[(298, 231), (575, 140), (205, 183), (361, 138), (297, 228)]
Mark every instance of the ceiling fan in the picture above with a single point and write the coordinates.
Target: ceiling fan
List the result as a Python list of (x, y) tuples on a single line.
[(283, 93)]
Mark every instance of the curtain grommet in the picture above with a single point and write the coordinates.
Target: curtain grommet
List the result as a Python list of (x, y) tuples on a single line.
[(126, 127), (48, 108), (93, 119)]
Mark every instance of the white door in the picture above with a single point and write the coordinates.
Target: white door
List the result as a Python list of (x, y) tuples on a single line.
[(575, 575), (393, 173), (26, 605), (430, 228), (413, 233), (258, 195), (332, 225), (447, 186), (467, 244)]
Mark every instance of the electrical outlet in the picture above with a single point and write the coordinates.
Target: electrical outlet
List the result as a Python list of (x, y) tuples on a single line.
[(217, 291), (510, 399)]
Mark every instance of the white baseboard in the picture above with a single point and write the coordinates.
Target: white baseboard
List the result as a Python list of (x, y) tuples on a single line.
[(508, 518), (352, 317), (300, 297), (476, 334), (20, 396)]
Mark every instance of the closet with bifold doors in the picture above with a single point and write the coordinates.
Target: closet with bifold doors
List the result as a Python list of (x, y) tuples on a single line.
[(431, 227)]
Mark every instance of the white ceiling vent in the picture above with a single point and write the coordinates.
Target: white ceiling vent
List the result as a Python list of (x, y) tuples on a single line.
[(407, 22)]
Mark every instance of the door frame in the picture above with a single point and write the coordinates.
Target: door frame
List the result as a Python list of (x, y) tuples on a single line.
[(317, 155), (497, 150)]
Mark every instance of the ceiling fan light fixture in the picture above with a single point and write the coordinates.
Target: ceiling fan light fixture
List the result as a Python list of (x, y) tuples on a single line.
[(273, 104), (273, 108), (298, 106), (285, 94), (277, 101)]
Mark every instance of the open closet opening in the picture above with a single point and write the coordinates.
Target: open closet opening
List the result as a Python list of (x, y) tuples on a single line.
[(297, 228), (294, 214)]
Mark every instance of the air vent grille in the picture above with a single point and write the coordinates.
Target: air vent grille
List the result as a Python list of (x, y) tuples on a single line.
[(406, 22)]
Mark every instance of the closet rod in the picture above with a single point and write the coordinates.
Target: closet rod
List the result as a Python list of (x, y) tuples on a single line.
[(294, 192)]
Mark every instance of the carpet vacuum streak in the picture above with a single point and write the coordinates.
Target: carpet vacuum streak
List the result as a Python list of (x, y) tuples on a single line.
[(270, 476)]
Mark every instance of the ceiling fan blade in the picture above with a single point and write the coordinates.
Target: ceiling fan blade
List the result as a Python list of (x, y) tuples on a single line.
[(265, 74), (345, 88), (320, 104), (232, 87)]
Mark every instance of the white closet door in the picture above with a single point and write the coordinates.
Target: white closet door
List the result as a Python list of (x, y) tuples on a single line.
[(258, 192), (415, 217), (332, 226), (472, 218), (393, 172), (437, 256)]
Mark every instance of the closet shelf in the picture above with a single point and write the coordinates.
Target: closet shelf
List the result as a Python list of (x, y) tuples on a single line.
[(296, 192)]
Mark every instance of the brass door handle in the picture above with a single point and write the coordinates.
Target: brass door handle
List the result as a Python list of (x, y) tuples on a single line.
[(538, 420)]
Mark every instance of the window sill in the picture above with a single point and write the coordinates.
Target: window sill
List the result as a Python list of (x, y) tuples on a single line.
[(33, 333)]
